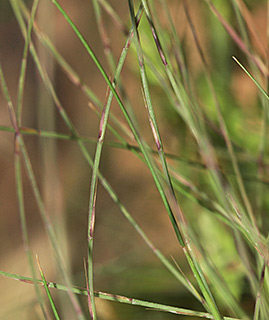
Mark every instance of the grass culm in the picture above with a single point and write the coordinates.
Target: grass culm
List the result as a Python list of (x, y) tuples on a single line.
[(136, 135)]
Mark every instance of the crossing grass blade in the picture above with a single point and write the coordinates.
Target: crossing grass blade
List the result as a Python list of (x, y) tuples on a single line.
[(116, 298), (56, 315), (17, 153), (31, 176), (88, 158), (213, 191)]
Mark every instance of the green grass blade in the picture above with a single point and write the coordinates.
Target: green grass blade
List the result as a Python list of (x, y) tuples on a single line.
[(148, 102), (94, 181), (19, 184), (117, 298), (49, 228), (130, 123), (221, 120), (71, 74), (257, 308), (47, 291), (87, 156), (222, 191), (89, 160), (104, 36), (19, 188), (113, 14), (191, 259), (24, 61), (252, 78), (43, 213), (240, 43)]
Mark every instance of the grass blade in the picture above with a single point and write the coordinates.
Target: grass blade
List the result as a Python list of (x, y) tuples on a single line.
[(47, 291), (252, 78), (197, 271), (237, 39), (104, 182), (24, 61), (19, 185), (94, 181), (117, 298), (37, 195)]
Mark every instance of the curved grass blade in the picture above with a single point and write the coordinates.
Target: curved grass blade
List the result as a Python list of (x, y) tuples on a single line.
[(130, 123), (135, 132), (112, 194), (197, 271), (94, 180), (197, 128)]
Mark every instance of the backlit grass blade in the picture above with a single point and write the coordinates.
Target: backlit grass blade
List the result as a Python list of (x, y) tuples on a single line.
[(192, 262), (252, 78)]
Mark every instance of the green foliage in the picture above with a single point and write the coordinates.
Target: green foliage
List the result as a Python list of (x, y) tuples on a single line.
[(210, 188)]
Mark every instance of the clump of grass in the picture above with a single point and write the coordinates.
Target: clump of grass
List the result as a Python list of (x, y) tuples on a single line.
[(218, 222)]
